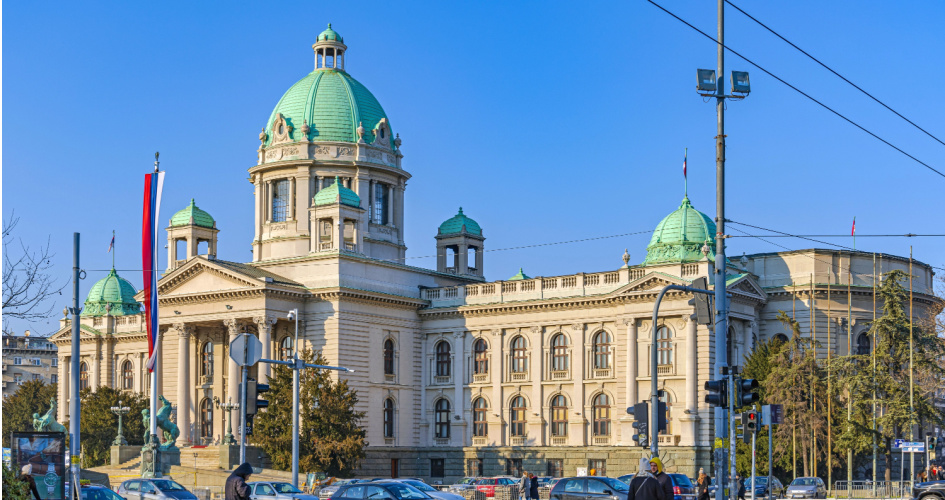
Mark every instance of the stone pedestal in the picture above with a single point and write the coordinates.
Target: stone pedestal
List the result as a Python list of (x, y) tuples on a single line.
[(168, 458), (156, 462), (230, 456), (124, 453)]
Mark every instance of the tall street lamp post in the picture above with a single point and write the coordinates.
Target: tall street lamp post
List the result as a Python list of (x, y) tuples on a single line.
[(121, 411)]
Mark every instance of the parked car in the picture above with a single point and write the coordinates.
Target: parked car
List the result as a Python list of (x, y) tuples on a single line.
[(931, 490), (268, 490), (806, 487), (327, 491), (381, 490), (154, 489), (464, 484), (683, 487), (761, 487), (429, 490), (487, 485), (590, 488), (98, 492)]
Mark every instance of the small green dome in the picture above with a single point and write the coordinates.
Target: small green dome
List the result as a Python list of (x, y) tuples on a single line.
[(330, 34), (680, 237), (337, 193), (113, 295), (520, 275), (192, 215), (333, 105), (458, 223)]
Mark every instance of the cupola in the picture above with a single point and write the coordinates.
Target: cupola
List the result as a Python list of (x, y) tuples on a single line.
[(459, 246), (112, 295), (193, 226), (685, 235), (337, 193), (329, 50)]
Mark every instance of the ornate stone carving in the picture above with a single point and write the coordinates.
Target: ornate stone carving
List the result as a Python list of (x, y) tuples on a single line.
[(262, 135), (374, 154), (577, 327), (305, 127), (361, 133), (397, 142), (281, 130), (392, 159), (345, 151), (278, 227), (322, 150), (534, 329)]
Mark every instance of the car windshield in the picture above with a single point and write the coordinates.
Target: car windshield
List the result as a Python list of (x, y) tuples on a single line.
[(682, 480), (99, 494), (420, 485), (406, 492), (167, 485), (486, 481), (285, 488), (615, 484), (804, 481), (468, 480), (758, 480)]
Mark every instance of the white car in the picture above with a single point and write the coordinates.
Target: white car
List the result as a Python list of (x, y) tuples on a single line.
[(269, 490), (429, 490)]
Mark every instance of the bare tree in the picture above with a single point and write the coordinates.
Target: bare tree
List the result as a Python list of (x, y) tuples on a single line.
[(28, 282)]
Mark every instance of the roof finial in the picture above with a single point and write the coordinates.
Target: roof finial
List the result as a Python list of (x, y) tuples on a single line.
[(460, 210), (329, 25)]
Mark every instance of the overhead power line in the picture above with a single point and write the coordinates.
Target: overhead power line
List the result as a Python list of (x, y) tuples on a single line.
[(828, 68), (799, 91)]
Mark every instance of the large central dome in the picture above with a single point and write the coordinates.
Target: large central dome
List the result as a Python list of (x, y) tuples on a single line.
[(330, 103)]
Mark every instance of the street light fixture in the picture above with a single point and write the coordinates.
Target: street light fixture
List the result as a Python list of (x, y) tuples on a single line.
[(740, 82), (705, 80), (121, 411)]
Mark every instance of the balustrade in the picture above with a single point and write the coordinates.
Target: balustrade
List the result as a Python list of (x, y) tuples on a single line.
[(559, 440), (560, 375), (601, 440), (592, 280), (569, 282)]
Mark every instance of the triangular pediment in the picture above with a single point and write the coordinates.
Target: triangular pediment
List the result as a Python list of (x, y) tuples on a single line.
[(747, 285), (201, 276), (652, 281)]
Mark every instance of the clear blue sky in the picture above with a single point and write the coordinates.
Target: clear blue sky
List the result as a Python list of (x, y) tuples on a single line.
[(546, 121)]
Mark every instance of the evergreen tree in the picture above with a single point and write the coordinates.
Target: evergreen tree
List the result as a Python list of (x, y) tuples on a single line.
[(32, 397), (100, 425), (331, 439)]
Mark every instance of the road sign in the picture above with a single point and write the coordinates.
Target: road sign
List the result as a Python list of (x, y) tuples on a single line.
[(248, 345), (908, 446)]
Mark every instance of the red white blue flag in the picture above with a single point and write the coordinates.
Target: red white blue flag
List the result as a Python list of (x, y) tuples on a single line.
[(111, 245), (684, 158), (853, 229), (153, 183)]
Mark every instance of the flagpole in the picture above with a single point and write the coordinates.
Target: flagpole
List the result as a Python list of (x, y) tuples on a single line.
[(157, 341), (113, 249), (685, 174)]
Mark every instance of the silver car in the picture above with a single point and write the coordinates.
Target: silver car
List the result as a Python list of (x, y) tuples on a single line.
[(269, 490), (154, 489), (806, 487), (429, 490)]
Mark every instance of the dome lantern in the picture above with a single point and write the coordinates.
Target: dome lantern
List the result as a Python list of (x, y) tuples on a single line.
[(329, 50), (459, 246)]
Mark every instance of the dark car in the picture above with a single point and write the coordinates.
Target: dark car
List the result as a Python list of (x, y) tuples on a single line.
[(806, 487), (683, 487), (154, 489), (589, 488), (761, 487), (931, 490), (381, 490)]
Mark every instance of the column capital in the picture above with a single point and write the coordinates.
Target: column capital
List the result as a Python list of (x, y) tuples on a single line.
[(183, 329), (232, 326), (265, 322)]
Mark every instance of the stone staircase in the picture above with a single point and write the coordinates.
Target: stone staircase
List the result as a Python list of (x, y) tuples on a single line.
[(204, 458)]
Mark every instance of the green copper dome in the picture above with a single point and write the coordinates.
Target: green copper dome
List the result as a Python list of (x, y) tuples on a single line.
[(192, 215), (456, 224), (680, 237), (330, 34), (113, 295), (520, 275), (337, 193), (332, 104)]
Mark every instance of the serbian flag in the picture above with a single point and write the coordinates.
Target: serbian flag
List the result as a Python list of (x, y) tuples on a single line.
[(111, 245), (685, 156), (153, 184), (853, 230)]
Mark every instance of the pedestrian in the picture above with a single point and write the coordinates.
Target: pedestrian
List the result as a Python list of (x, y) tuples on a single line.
[(741, 486), (523, 486), (702, 486), (666, 483), (236, 487), (645, 486), (533, 487), (26, 475)]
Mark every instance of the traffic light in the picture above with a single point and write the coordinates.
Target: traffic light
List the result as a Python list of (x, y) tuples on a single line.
[(746, 392), (752, 424), (640, 421), (718, 392), (933, 443), (253, 392), (701, 302)]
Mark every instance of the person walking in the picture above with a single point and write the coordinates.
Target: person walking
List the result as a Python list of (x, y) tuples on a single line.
[(740, 484), (666, 483), (523, 486), (645, 486), (533, 487), (26, 475), (702, 486), (236, 487)]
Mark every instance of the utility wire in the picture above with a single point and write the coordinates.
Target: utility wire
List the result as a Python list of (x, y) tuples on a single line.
[(907, 235), (799, 91), (828, 68)]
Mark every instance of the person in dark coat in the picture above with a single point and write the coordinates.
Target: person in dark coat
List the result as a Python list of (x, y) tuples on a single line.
[(741, 486), (702, 486), (26, 475), (645, 486), (666, 482), (533, 487), (236, 487)]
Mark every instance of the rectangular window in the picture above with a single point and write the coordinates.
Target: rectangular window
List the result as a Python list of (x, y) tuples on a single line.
[(36, 362), (556, 467), (474, 467), (598, 466), (513, 467), (55, 362), (280, 200), (17, 361), (437, 467), (53, 379), (395, 467), (37, 376), (380, 203)]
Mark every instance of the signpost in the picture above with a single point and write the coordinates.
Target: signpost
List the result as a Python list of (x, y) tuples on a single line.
[(770, 415), (246, 350)]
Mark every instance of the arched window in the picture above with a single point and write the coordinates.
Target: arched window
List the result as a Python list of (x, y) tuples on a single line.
[(559, 353), (280, 200), (559, 416), (443, 359), (601, 415), (442, 420), (481, 353), (519, 355), (206, 360), (517, 416), (664, 345), (127, 376), (863, 344), (285, 349), (602, 352), (83, 375), (780, 338), (388, 418), (480, 415), (388, 357), (206, 421)]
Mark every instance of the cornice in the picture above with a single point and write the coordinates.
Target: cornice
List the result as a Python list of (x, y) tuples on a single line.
[(369, 297)]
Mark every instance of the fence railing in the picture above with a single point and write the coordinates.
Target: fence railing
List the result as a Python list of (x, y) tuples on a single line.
[(870, 489)]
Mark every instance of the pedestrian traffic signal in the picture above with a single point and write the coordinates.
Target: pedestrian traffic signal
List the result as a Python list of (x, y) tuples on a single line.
[(640, 421), (701, 302), (718, 392), (746, 392), (933, 443), (751, 425)]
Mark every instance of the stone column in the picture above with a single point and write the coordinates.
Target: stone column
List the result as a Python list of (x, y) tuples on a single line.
[(96, 368), (232, 370), (692, 366), (292, 198), (184, 406), (399, 214), (340, 232), (632, 368), (390, 206), (257, 228), (458, 356), (497, 433), (303, 199), (535, 359), (264, 324), (463, 258), (371, 200), (424, 380), (479, 270), (268, 208), (110, 379)]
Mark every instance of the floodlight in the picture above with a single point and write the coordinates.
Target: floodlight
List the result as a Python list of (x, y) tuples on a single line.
[(706, 80), (740, 82)]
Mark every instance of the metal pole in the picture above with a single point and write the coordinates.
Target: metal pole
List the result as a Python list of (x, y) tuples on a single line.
[(770, 443), (243, 405), (754, 436), (874, 374), (75, 423), (849, 390), (721, 316), (912, 425), (295, 403)]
